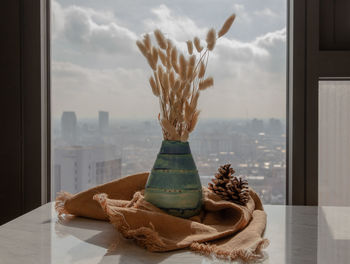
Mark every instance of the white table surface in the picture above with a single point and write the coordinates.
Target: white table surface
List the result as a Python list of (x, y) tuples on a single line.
[(297, 234)]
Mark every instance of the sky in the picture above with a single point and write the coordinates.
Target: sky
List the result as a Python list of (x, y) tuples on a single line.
[(97, 66)]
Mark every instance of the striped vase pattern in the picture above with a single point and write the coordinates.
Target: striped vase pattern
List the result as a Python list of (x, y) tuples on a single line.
[(174, 185)]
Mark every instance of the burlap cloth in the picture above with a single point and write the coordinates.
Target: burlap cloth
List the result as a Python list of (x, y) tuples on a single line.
[(224, 229)]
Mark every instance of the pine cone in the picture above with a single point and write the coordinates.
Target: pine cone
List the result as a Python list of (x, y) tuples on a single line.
[(229, 187)]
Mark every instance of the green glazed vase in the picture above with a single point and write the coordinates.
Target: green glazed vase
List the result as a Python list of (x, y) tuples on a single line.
[(174, 185)]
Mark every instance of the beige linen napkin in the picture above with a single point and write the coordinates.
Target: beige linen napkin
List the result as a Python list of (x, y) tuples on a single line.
[(223, 228)]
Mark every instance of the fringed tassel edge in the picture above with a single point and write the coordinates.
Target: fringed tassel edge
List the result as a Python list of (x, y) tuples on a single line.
[(252, 253), (146, 237), (60, 203)]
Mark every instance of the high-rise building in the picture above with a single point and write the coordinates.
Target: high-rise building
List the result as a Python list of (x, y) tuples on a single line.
[(78, 168), (69, 127), (257, 125), (103, 121), (275, 126)]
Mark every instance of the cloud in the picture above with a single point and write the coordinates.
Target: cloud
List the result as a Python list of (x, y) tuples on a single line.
[(266, 53), (275, 44), (96, 66), (250, 75), (90, 30), (241, 13), (85, 90), (271, 38), (266, 12), (180, 28), (57, 19)]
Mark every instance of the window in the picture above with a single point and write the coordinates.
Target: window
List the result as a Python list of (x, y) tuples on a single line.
[(104, 114)]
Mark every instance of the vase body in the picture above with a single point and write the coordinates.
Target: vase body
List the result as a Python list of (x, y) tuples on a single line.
[(173, 184)]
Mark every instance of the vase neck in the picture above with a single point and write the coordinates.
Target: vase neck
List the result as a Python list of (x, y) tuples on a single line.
[(174, 147)]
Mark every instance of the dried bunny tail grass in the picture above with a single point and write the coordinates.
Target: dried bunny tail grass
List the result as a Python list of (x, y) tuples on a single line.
[(169, 128), (160, 72), (176, 86), (151, 62), (156, 79), (160, 80), (190, 67), (211, 39), (162, 57), (227, 25), (179, 94), (172, 111), (201, 70), (154, 86), (171, 101), (194, 73), (183, 67), (176, 68), (165, 96), (174, 56), (189, 46), (206, 83), (182, 85), (160, 39), (165, 83), (186, 91), (197, 44), (171, 115), (194, 101), (172, 79), (192, 60), (179, 109), (168, 63), (169, 46), (142, 48), (184, 136), (189, 73), (147, 41), (194, 121), (155, 55), (188, 112)]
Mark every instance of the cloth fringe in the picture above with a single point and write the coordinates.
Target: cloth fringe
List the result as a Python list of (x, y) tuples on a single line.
[(250, 254), (61, 199), (146, 237)]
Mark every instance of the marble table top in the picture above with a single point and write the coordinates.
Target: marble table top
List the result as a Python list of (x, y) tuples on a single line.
[(297, 234)]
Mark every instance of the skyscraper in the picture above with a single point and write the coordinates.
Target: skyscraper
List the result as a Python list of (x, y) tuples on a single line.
[(79, 168), (69, 127), (103, 121), (275, 126)]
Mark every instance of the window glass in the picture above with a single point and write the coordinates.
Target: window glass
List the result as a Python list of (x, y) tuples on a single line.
[(105, 115)]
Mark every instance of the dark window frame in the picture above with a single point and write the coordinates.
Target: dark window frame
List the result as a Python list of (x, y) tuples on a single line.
[(308, 63), (25, 105)]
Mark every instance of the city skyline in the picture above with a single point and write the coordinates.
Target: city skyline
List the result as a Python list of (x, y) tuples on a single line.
[(256, 149)]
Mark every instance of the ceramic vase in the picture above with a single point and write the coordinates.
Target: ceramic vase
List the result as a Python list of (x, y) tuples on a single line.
[(173, 184)]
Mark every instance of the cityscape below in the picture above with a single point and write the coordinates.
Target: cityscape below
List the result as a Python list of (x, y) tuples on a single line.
[(88, 152)]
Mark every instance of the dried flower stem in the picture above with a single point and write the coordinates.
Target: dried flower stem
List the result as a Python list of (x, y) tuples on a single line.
[(178, 79)]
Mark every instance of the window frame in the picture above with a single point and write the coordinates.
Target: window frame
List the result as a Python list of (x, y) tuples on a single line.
[(26, 106), (308, 64), (35, 80)]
